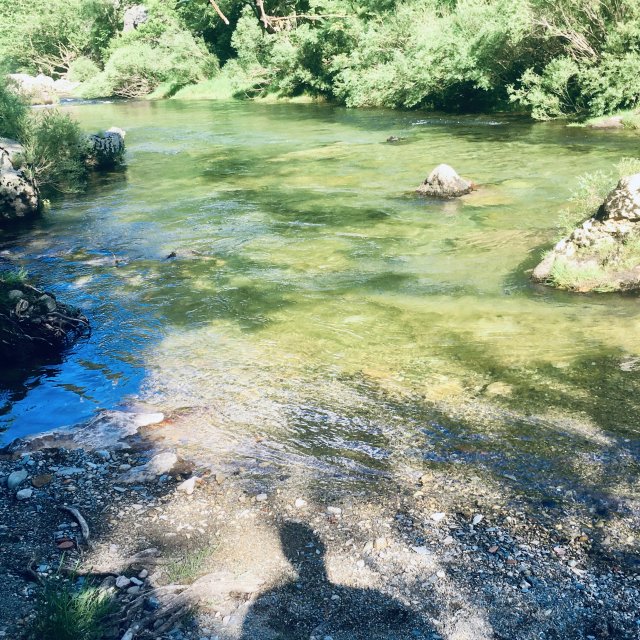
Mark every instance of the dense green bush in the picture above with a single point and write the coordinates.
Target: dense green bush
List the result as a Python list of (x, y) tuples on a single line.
[(551, 58), (82, 69), (55, 152), (159, 51), (48, 35), (14, 113)]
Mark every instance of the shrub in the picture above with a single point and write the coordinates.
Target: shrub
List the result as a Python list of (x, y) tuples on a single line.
[(55, 152), (159, 51), (14, 113), (49, 35), (82, 69)]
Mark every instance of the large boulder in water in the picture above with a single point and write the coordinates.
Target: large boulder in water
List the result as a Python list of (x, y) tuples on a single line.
[(19, 197), (33, 323), (106, 149), (603, 253), (444, 182)]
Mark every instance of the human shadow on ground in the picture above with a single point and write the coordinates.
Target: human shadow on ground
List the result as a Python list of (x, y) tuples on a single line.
[(311, 606)]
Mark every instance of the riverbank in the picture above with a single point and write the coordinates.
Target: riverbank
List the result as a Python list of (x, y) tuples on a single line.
[(197, 551)]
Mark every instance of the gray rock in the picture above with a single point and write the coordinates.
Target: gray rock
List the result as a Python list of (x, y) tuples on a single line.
[(70, 471), (122, 582), (161, 463), (134, 17), (444, 182), (16, 479), (19, 197), (106, 149), (24, 494), (596, 249)]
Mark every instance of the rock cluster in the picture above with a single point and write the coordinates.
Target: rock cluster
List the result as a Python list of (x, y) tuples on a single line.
[(444, 182), (19, 196), (33, 323), (42, 89), (601, 243)]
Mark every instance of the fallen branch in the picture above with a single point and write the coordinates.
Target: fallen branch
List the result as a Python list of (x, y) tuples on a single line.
[(84, 527), (224, 18)]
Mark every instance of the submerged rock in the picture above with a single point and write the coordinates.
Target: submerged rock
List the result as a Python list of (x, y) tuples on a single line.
[(444, 182), (34, 323), (603, 253), (19, 197)]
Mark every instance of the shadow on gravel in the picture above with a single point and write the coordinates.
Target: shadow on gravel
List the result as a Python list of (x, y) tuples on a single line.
[(312, 606)]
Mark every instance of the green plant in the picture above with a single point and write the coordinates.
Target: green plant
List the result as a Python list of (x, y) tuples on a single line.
[(190, 566), (14, 277), (68, 611), (82, 69), (13, 112), (55, 152), (575, 277)]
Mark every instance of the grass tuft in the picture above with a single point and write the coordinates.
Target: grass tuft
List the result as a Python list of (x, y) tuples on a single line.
[(72, 612), (190, 566), (14, 278)]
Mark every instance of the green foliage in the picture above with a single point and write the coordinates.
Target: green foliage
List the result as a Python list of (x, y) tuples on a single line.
[(70, 612), (48, 35), (552, 58), (14, 113), (14, 278), (159, 51), (55, 152), (82, 69)]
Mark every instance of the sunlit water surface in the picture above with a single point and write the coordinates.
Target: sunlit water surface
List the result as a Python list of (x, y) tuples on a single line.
[(318, 306)]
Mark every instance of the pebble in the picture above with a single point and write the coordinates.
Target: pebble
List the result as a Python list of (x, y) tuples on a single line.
[(63, 545), (24, 494), (300, 503), (477, 519), (41, 480), (188, 486), (143, 574), (360, 564), (380, 544), (438, 517), (448, 540), (137, 582), (16, 479), (334, 511), (70, 471), (122, 582), (133, 590), (261, 497)]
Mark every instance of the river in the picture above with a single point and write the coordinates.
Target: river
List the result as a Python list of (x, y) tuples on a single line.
[(317, 313)]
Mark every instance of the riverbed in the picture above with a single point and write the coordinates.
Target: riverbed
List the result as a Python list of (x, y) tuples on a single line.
[(263, 275)]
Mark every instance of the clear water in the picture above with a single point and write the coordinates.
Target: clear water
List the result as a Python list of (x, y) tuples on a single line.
[(317, 307)]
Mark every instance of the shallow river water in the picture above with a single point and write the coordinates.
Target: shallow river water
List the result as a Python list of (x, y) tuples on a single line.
[(317, 307)]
